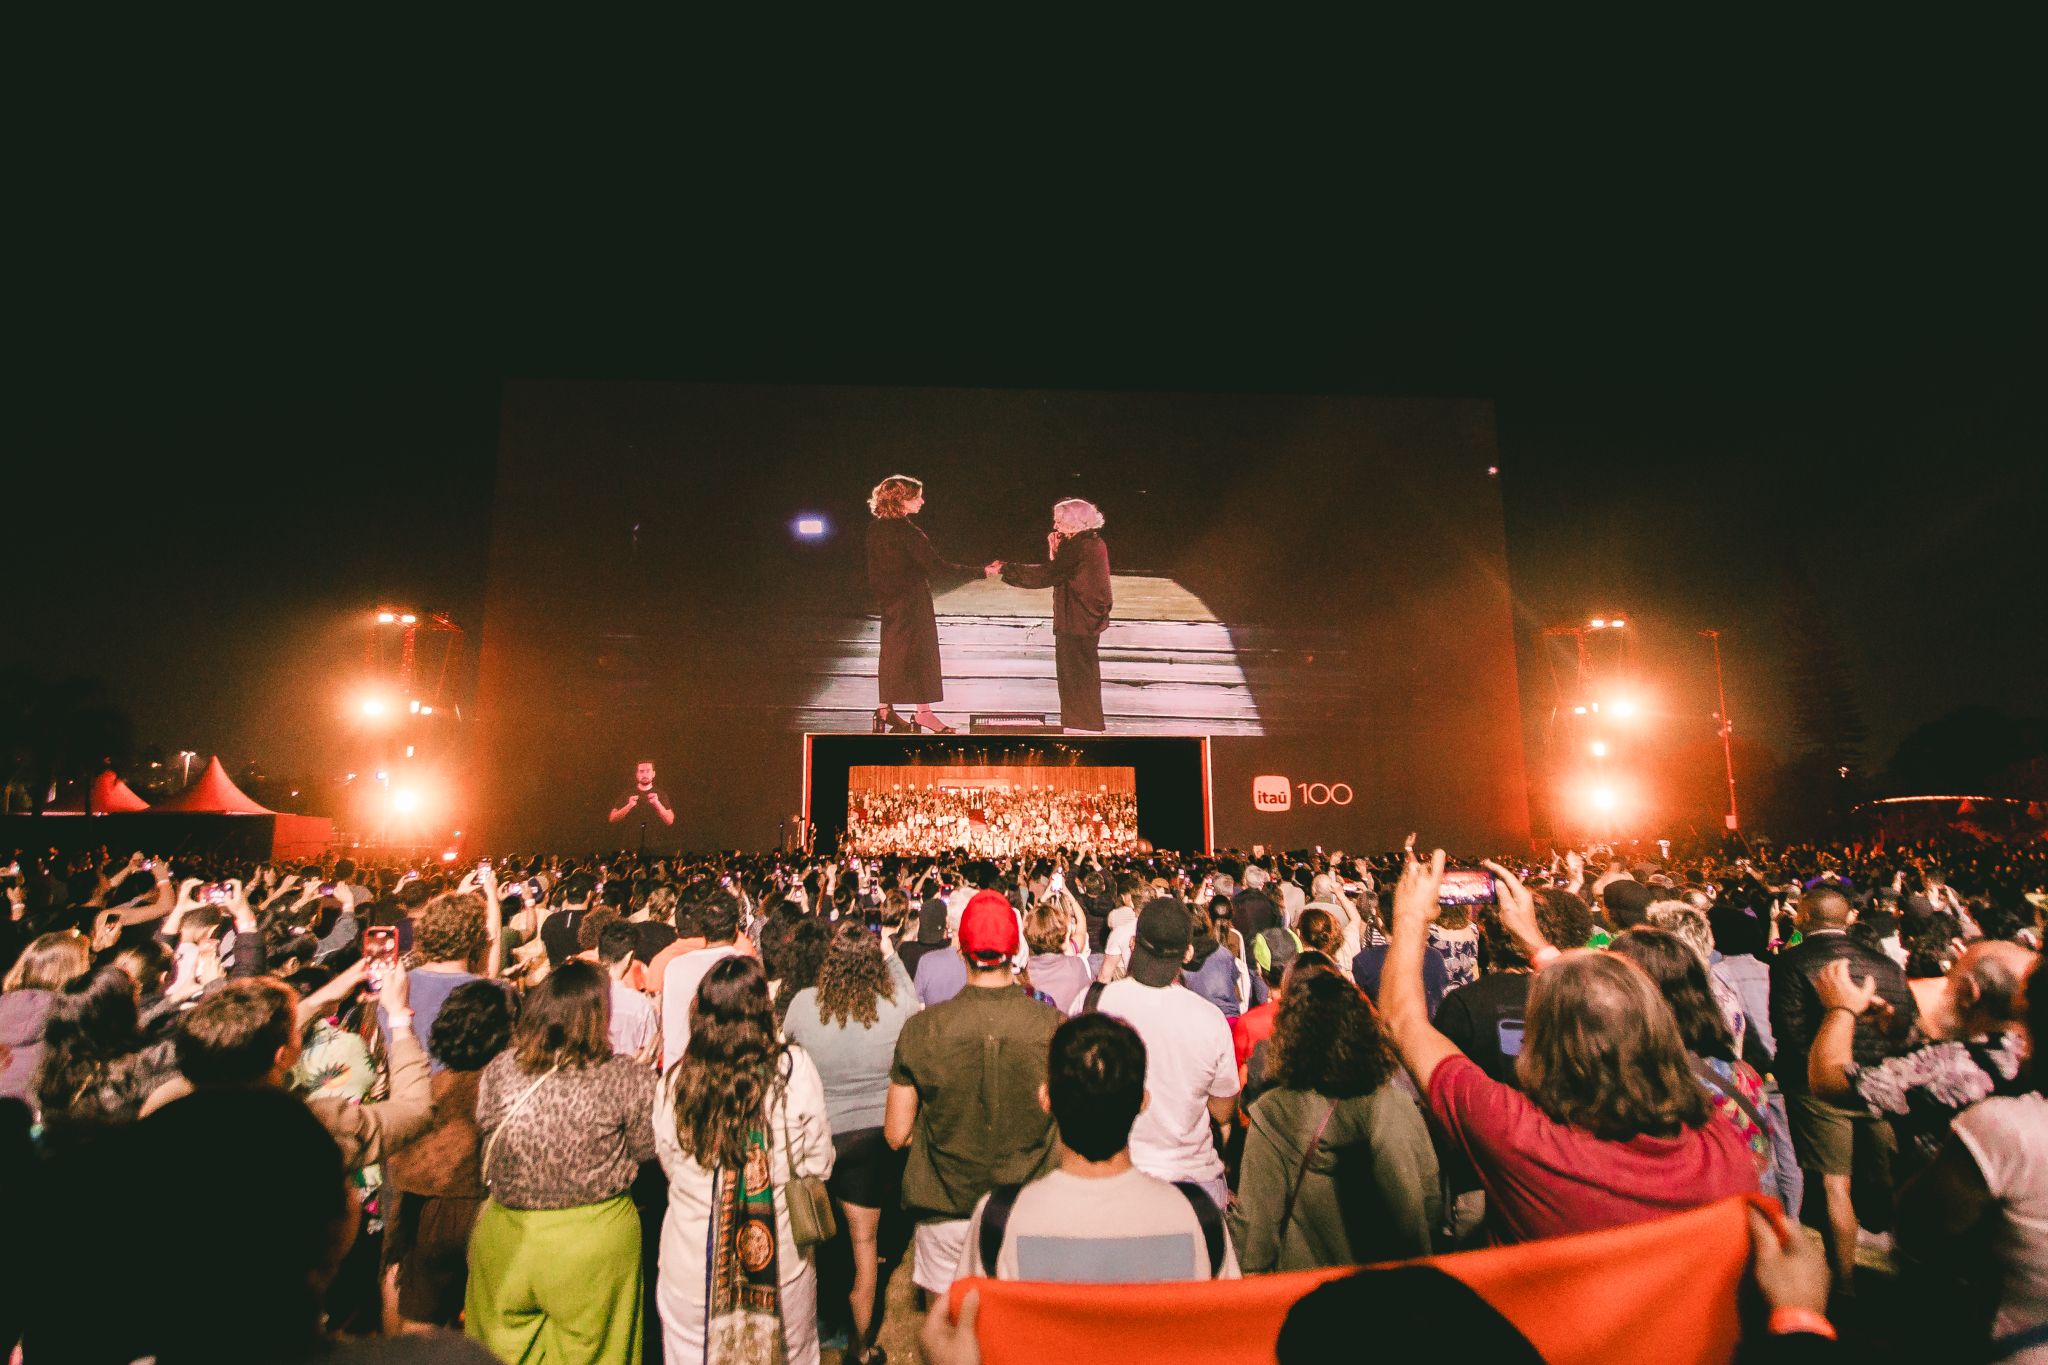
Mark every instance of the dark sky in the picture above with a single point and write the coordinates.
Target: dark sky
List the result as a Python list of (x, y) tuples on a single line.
[(211, 470)]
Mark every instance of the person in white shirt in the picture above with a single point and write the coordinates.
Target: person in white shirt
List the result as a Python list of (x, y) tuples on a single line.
[(1190, 1067), (1097, 1218), (720, 918), (635, 1023)]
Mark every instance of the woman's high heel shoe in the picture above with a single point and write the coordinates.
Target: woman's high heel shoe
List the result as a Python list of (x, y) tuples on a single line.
[(933, 729), (887, 721)]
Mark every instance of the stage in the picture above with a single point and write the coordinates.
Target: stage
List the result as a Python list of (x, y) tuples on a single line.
[(1167, 777)]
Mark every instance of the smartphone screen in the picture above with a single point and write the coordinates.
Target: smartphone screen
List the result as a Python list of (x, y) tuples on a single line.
[(1509, 1032), (1465, 886), (380, 949)]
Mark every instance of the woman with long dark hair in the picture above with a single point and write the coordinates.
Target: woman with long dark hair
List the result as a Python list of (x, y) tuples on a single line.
[(97, 1069), (554, 1262), (1731, 1085), (849, 1023), (1338, 1166), (738, 1118), (901, 562)]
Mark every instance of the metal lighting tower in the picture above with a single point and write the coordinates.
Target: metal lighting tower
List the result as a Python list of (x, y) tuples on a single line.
[(1727, 728)]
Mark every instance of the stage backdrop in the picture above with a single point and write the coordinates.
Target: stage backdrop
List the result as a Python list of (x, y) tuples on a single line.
[(678, 573)]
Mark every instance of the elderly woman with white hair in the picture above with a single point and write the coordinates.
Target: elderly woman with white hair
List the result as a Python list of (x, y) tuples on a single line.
[(1078, 575)]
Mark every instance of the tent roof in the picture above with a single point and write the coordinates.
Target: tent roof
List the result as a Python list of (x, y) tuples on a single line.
[(110, 796), (213, 793)]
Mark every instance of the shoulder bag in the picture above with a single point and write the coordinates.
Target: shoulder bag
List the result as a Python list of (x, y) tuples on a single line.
[(811, 1219)]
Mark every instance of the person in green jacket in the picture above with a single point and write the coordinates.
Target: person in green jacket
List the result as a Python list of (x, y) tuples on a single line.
[(1338, 1166)]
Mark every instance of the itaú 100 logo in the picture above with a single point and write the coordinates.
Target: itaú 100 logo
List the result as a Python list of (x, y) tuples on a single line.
[(1274, 793)]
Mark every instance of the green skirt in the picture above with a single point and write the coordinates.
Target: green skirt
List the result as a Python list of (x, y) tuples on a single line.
[(556, 1285)]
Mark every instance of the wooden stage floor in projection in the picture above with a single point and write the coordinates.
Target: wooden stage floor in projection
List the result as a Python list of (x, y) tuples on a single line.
[(1168, 666)]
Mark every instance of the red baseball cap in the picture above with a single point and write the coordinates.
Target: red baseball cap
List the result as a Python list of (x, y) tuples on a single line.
[(988, 929)]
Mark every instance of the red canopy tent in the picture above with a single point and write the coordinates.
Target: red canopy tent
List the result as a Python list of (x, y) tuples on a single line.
[(213, 793), (110, 796)]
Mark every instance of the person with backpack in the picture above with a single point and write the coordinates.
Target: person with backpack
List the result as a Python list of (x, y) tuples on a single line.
[(1096, 1218)]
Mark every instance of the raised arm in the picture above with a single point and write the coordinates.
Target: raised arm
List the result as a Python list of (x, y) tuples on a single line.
[(1403, 1006)]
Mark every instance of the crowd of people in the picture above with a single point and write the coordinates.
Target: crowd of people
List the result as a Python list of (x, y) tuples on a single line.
[(624, 1108), (987, 822)]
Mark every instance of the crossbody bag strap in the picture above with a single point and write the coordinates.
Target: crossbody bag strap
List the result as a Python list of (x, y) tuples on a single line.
[(484, 1166), (1301, 1176), (782, 1098), (1708, 1076)]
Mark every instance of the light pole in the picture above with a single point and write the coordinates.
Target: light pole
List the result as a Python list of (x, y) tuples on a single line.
[(1727, 729)]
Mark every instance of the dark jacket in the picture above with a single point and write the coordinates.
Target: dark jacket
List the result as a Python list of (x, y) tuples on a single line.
[(1796, 1009), (1079, 579)]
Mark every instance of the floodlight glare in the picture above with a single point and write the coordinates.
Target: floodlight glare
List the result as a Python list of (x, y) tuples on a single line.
[(810, 527)]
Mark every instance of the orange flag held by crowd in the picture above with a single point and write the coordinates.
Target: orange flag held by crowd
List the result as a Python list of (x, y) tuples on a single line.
[(1663, 1292)]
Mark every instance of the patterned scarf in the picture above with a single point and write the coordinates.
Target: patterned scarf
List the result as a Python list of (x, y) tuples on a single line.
[(743, 1290)]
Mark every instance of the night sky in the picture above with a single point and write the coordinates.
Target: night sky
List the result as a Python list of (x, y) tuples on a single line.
[(202, 506)]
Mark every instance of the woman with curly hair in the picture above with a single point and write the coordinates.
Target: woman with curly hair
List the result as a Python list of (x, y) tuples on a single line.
[(1338, 1166), (435, 1184), (737, 1119), (848, 1023), (901, 562)]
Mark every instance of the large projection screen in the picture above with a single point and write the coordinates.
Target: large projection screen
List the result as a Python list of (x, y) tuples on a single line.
[(679, 573)]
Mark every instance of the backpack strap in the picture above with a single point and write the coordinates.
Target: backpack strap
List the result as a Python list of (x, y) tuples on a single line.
[(995, 1221), (1211, 1219), (1091, 1000)]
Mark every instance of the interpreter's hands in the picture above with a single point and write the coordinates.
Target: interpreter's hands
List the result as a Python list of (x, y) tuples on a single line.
[(1793, 1273), (1838, 991), (1517, 911), (949, 1342), (1415, 894)]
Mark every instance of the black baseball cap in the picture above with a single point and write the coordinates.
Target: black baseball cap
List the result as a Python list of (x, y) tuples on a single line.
[(1160, 950)]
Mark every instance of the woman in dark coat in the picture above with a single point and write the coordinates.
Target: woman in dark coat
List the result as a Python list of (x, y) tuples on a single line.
[(1079, 578), (900, 565)]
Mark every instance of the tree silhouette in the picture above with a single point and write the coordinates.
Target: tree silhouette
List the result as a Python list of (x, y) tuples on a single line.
[(51, 732)]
